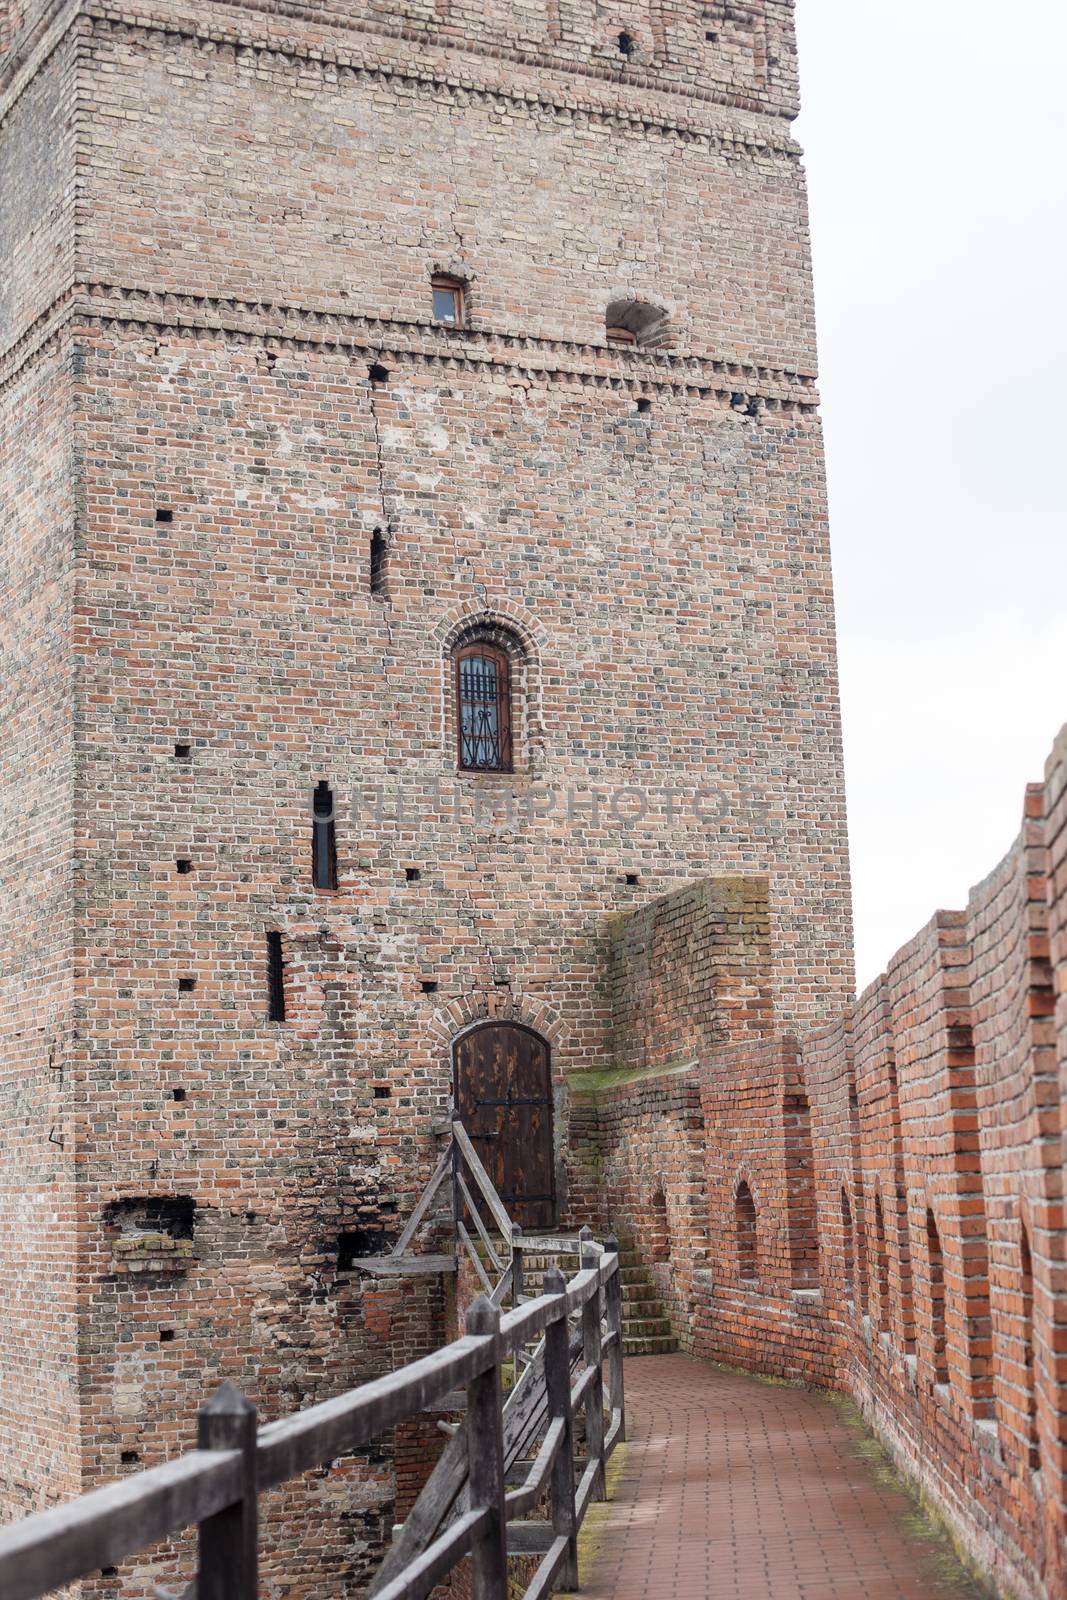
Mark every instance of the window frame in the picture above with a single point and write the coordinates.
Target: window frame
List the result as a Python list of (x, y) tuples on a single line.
[(442, 283), (486, 649)]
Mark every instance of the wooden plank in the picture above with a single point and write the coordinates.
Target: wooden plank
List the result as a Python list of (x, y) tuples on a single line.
[(227, 1561), (581, 1389), (423, 1204), (485, 1456), (483, 1231), (426, 1515), (468, 1245), (586, 1489), (404, 1266), (426, 1571), (500, 1293), (482, 1179), (535, 1245), (529, 1538), (100, 1529), (336, 1427), (456, 1401), (544, 1579), (558, 1384), (523, 1499)]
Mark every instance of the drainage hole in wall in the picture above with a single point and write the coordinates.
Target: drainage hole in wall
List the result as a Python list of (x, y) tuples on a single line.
[(633, 879), (166, 1335), (644, 407), (164, 514), (186, 985), (184, 865), (130, 1458), (412, 874), (183, 752), (177, 1094), (382, 1091), (429, 985)]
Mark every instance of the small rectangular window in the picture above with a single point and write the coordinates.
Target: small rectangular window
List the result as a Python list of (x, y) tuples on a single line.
[(448, 302), (275, 978)]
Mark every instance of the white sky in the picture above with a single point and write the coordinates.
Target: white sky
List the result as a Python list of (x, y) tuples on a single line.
[(936, 149)]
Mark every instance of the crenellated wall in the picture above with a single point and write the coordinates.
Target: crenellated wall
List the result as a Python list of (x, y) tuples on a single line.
[(916, 1146)]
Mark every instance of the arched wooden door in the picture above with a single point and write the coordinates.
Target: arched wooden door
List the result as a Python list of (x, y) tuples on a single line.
[(504, 1100)]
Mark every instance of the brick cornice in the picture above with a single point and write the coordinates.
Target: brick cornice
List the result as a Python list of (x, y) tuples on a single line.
[(275, 326), (381, 53)]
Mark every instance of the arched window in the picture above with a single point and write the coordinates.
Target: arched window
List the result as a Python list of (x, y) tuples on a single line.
[(937, 1298), (483, 707), (745, 1226)]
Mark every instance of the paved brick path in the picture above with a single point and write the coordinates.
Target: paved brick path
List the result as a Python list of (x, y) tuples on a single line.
[(732, 1489)]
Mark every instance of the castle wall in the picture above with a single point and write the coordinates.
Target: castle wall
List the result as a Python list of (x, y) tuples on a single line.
[(937, 1150), (39, 1224), (37, 186), (260, 197)]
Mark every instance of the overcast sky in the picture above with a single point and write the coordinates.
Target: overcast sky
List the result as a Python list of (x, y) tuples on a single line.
[(934, 133)]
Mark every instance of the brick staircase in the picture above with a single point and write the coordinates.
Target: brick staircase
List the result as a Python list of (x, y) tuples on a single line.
[(646, 1330)]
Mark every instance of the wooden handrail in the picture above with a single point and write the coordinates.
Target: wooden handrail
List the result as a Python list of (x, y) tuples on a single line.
[(236, 1462)]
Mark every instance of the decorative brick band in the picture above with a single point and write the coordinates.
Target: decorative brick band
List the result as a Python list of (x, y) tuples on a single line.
[(657, 115), (305, 328)]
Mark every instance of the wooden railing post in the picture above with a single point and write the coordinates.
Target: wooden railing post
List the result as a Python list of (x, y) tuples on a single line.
[(594, 1404), (517, 1283), (485, 1460), (558, 1385), (227, 1564), (613, 1295)]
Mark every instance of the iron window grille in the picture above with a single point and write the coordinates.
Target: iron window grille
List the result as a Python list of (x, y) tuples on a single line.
[(483, 708)]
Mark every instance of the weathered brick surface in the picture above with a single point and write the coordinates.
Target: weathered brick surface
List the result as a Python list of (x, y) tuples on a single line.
[(937, 1142), (216, 220)]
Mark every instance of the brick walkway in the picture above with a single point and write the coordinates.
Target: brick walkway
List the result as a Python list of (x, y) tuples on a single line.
[(732, 1489)]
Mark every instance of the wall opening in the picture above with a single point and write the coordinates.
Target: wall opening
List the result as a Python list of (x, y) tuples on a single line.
[(937, 1299), (848, 1246), (324, 838), (356, 1244), (275, 977), (1026, 1270), (881, 1266), (378, 551), (800, 1179), (637, 322), (745, 1230)]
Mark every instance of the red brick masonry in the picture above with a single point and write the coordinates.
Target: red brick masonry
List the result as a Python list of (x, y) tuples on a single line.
[(733, 1489), (905, 1168)]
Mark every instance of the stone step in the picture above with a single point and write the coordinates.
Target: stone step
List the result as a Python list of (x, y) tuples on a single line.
[(656, 1328), (649, 1347)]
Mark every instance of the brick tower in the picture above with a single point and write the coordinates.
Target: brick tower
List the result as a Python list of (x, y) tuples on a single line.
[(414, 552)]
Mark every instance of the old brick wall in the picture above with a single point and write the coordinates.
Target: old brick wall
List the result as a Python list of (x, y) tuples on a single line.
[(932, 1146), (225, 217), (39, 1222)]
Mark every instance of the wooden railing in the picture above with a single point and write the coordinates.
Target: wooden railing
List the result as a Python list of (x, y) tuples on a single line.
[(216, 1487), (476, 1211)]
